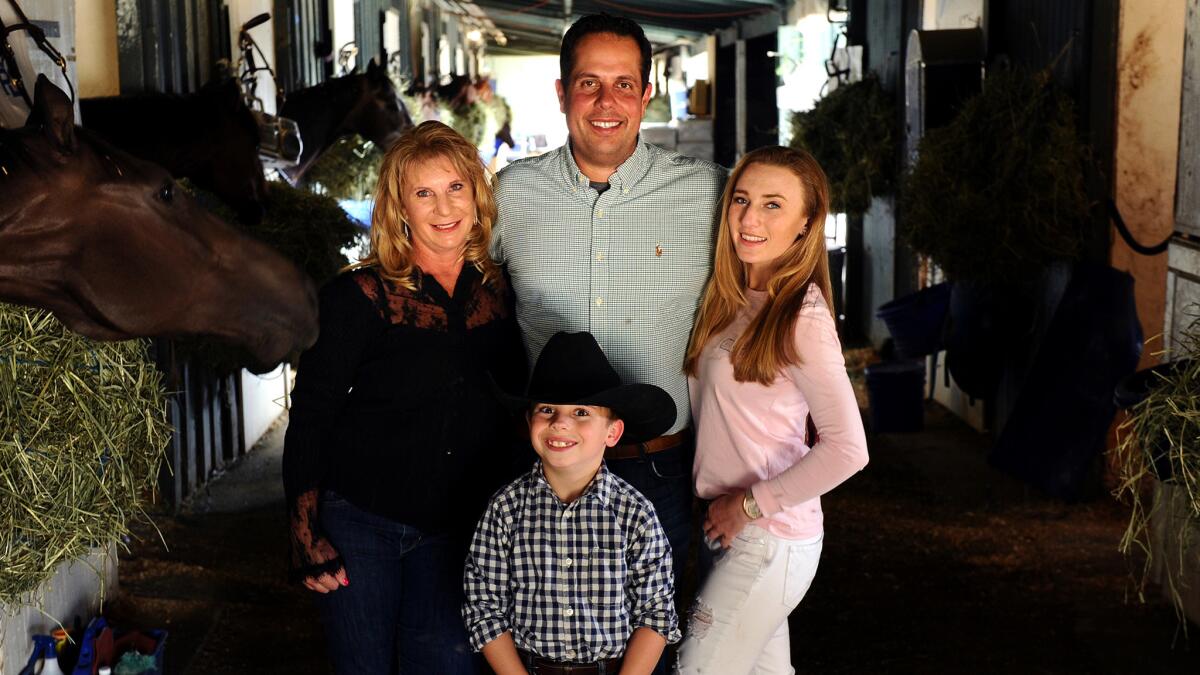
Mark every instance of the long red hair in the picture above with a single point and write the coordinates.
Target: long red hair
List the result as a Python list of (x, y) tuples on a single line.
[(766, 346)]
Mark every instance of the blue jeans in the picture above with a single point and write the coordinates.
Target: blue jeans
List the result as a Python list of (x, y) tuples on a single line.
[(401, 611), (665, 478)]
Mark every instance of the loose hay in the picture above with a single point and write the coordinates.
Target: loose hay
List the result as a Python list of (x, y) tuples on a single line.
[(82, 432), (1161, 440), (852, 134), (998, 193), (349, 169)]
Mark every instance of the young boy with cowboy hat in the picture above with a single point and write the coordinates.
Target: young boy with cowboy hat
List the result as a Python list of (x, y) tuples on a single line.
[(569, 570)]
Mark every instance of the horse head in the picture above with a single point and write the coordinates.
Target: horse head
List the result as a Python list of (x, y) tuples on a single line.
[(209, 137), (232, 166), (110, 245), (378, 115)]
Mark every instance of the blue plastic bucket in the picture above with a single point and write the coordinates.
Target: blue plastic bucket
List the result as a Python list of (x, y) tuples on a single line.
[(915, 321), (896, 391)]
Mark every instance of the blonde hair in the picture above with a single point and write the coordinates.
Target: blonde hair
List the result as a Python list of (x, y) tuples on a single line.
[(767, 345), (391, 247)]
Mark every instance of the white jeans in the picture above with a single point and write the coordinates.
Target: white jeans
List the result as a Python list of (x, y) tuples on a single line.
[(738, 623)]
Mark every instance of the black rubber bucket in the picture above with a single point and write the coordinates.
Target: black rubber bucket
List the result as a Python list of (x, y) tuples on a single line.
[(897, 390), (916, 321)]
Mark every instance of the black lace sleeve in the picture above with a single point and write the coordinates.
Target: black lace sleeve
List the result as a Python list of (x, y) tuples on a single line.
[(312, 554)]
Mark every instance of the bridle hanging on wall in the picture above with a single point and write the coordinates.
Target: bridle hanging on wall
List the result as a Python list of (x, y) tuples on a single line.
[(10, 78)]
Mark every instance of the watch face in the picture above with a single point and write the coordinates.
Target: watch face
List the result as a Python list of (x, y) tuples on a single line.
[(750, 506)]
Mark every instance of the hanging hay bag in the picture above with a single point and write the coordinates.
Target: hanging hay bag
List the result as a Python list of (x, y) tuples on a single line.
[(82, 432)]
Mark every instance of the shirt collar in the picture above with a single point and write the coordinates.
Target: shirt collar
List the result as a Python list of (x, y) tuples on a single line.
[(624, 179), (600, 488)]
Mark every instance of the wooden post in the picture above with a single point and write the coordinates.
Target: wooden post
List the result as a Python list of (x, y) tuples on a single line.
[(218, 431), (188, 432), (204, 449)]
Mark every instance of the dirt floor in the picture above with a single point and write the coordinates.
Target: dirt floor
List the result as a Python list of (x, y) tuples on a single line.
[(933, 563)]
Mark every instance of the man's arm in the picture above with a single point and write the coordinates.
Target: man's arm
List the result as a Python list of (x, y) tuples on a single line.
[(501, 655), (642, 652)]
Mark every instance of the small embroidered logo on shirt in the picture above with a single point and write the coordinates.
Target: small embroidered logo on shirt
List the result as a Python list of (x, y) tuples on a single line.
[(658, 251)]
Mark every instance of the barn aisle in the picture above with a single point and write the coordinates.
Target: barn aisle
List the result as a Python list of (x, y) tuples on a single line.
[(934, 562), (221, 589)]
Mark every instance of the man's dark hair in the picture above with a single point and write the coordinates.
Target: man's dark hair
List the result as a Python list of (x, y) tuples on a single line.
[(601, 23)]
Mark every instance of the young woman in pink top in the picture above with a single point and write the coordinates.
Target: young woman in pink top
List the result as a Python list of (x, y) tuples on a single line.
[(764, 357)]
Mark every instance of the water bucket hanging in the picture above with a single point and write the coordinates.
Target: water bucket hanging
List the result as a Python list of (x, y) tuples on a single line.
[(916, 321)]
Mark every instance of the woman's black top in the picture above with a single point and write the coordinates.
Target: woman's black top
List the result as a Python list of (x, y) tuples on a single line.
[(393, 407)]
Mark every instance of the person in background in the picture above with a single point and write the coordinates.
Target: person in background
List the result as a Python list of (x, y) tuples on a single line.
[(391, 450), (764, 362)]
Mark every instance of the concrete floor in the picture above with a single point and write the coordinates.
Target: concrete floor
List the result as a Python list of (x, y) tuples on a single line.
[(934, 562)]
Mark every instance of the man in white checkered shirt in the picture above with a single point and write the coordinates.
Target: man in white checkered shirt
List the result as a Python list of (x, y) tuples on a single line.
[(614, 236), (569, 570)]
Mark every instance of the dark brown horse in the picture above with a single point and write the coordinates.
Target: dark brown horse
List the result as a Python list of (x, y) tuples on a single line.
[(110, 245), (209, 137), (363, 104)]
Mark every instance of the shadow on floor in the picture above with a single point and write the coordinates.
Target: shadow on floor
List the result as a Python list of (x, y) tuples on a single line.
[(933, 563)]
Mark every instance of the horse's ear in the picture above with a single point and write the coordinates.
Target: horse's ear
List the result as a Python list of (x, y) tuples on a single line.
[(228, 93), (54, 114), (374, 70)]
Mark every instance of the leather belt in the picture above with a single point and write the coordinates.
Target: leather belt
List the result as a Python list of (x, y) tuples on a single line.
[(540, 666), (632, 450)]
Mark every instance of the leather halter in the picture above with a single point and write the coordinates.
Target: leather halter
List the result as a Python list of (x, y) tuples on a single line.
[(11, 80)]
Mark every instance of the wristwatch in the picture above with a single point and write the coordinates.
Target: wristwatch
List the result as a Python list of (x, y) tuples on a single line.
[(750, 506)]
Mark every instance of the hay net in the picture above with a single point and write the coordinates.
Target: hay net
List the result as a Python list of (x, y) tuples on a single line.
[(82, 431)]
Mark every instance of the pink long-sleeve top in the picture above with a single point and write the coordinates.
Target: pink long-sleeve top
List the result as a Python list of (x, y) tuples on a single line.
[(751, 435)]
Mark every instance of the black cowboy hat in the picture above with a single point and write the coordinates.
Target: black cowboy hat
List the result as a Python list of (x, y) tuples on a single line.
[(572, 369)]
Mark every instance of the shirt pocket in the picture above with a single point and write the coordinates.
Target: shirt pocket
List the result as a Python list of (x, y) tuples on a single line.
[(606, 577)]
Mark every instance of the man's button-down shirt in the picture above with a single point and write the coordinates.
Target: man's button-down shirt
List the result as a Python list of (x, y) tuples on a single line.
[(570, 581), (627, 265)]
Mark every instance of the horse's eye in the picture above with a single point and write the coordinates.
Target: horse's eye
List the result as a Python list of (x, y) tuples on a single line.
[(166, 193)]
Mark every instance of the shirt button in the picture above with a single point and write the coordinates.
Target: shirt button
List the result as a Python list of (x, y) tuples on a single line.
[(600, 213), (568, 612), (570, 653), (624, 191), (567, 562), (599, 301), (599, 256)]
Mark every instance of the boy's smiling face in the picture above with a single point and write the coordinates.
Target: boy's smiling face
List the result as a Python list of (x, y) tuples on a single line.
[(571, 439)]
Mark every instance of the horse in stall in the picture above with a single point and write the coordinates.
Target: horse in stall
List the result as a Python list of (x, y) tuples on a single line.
[(363, 104), (210, 138), (110, 245)]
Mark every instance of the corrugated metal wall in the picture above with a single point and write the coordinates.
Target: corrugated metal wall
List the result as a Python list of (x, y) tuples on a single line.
[(1187, 204), (368, 30), (301, 28)]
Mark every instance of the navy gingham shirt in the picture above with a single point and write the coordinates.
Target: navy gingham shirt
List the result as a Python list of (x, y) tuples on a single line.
[(570, 581)]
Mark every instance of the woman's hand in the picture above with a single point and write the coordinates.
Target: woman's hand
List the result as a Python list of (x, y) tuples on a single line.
[(315, 561), (325, 582), (725, 519)]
